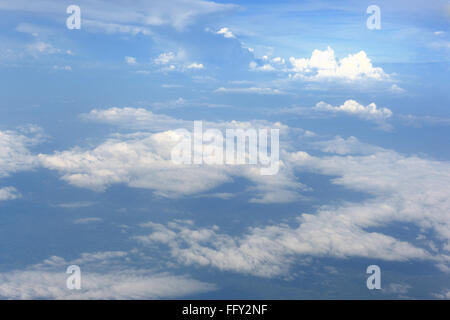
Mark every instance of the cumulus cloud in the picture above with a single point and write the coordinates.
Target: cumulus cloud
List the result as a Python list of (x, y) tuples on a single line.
[(143, 159), (370, 112), (14, 149), (226, 33), (351, 107), (324, 65), (403, 189), (136, 118)]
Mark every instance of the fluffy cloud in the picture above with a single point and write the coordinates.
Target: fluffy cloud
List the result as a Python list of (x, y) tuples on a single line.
[(371, 112), (136, 118), (171, 61), (323, 65), (143, 160), (403, 189), (351, 107), (226, 33), (14, 149)]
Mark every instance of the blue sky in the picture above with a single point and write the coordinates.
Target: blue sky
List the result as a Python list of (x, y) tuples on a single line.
[(87, 116)]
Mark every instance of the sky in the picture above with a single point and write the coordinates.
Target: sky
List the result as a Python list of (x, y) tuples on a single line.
[(89, 119)]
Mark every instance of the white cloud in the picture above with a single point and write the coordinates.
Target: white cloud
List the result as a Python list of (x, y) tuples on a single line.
[(226, 33), (63, 68), (445, 294), (104, 275), (403, 189), (165, 58), (351, 107), (14, 153), (72, 205), (419, 121), (396, 89), (195, 66), (87, 220), (9, 193), (130, 60), (43, 47), (323, 65), (112, 28), (143, 160), (254, 90), (174, 13), (265, 67), (136, 118)]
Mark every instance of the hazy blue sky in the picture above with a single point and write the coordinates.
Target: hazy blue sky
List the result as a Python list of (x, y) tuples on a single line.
[(86, 130)]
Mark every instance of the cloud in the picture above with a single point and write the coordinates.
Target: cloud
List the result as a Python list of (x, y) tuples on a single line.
[(87, 220), (14, 149), (351, 107), (43, 47), (174, 13), (420, 121), (270, 251), (143, 160), (9, 193), (323, 65), (136, 118), (396, 89), (253, 90), (371, 112), (403, 189), (103, 276), (112, 28), (72, 205), (195, 66), (226, 33), (445, 294), (165, 58), (171, 61), (64, 68), (130, 60)]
